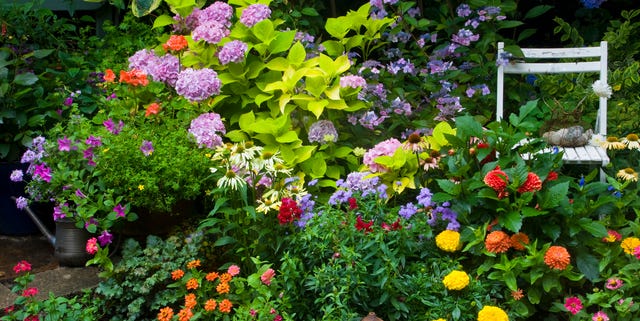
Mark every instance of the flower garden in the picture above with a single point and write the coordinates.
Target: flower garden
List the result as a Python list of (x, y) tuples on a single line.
[(314, 168)]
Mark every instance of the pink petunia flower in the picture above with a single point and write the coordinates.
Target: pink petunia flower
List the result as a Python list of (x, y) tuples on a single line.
[(22, 266)]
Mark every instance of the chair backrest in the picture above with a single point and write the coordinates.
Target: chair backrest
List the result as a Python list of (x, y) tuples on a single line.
[(584, 63)]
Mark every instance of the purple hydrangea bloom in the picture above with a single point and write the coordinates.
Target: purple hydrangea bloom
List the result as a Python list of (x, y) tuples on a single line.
[(254, 14), (16, 175), (165, 69), (464, 37), (21, 202), (198, 84), (232, 52), (352, 81), (105, 238), (592, 4), (384, 148), (322, 132), (463, 10), (143, 60), (211, 32), (205, 129), (146, 148), (218, 11)]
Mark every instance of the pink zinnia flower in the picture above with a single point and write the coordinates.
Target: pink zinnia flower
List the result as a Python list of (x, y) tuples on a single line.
[(636, 252), (234, 270), (22, 266), (267, 276), (600, 316), (573, 304), (92, 245), (613, 283)]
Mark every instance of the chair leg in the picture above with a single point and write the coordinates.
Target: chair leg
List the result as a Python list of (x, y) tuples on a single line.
[(603, 176)]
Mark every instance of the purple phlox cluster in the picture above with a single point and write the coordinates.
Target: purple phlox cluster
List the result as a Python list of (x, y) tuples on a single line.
[(16, 175), (198, 84), (449, 107), (233, 51), (254, 14), (323, 131), (385, 148), (482, 88), (368, 119), (93, 141), (465, 37), (112, 127), (307, 204), (352, 81), (29, 156), (444, 213), (146, 148), (404, 65), (211, 32), (358, 182), (504, 58), (407, 211), (592, 4), (58, 211), (401, 107), (105, 238), (112, 96), (21, 202), (205, 129)]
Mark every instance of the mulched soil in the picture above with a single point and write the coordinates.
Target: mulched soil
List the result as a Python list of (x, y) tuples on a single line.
[(35, 249)]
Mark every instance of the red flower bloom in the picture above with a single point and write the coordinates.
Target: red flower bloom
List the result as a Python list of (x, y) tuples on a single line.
[(289, 211), (552, 176), (557, 257), (22, 266), (532, 184), (353, 203), (393, 227), (152, 109), (361, 225), (134, 77), (109, 76), (496, 179), (176, 43), (29, 292)]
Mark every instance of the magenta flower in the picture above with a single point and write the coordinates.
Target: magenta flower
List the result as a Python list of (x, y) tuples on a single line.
[(573, 304), (58, 213), (112, 127), (43, 172), (93, 141), (254, 14), (146, 148), (64, 144), (22, 266), (92, 246), (119, 209), (105, 238), (600, 316), (613, 283), (636, 252), (267, 276)]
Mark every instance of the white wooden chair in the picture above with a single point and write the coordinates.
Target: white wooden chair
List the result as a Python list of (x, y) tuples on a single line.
[(587, 59)]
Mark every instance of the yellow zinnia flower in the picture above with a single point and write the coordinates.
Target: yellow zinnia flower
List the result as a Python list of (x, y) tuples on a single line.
[(456, 280), (629, 244), (491, 313), (448, 241)]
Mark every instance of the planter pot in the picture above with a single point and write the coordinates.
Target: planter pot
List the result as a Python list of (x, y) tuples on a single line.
[(70, 244)]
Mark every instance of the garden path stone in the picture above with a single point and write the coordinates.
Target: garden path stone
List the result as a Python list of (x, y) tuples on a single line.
[(6, 297)]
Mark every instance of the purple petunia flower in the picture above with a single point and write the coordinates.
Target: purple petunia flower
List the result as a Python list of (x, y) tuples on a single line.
[(254, 14), (43, 172), (322, 132), (198, 84), (146, 148), (64, 144), (80, 194), (232, 52), (205, 129), (16, 175), (88, 155), (58, 213), (112, 127), (93, 141), (105, 238), (119, 209)]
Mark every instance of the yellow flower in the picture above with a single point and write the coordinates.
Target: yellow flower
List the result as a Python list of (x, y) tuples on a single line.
[(456, 280), (441, 319), (612, 142), (627, 174), (491, 313), (629, 244), (141, 187), (448, 241)]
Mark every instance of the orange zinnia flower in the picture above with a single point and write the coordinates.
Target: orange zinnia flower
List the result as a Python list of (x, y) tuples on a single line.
[(177, 274), (225, 277), (154, 109), (225, 306), (190, 301), (519, 240), (109, 76), (175, 42), (185, 314), (497, 242), (532, 184), (165, 314), (211, 276), (557, 257), (517, 295), (210, 305), (192, 284), (496, 179), (222, 288)]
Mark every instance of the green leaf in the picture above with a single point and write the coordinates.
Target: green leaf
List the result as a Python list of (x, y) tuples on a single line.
[(26, 79), (588, 265), (288, 137), (512, 221), (282, 41), (225, 240), (297, 54), (141, 8), (317, 107), (278, 64), (163, 20), (552, 196), (594, 227), (510, 280), (437, 140), (41, 53), (537, 11), (263, 30), (247, 121)]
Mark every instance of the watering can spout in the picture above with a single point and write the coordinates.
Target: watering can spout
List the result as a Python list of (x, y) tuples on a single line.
[(50, 237)]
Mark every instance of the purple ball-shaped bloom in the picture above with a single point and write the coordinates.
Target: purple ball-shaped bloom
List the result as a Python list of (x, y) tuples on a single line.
[(166, 69), (322, 132), (254, 14), (198, 84), (205, 129), (211, 32), (219, 11), (16, 175), (232, 52), (143, 60)]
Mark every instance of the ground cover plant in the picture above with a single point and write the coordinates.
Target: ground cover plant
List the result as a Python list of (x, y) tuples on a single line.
[(354, 171)]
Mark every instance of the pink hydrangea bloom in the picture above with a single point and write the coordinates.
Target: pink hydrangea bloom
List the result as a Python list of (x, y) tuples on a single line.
[(384, 148), (205, 129), (254, 14), (198, 84)]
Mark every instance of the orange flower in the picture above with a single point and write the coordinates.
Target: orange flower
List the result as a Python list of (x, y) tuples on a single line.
[(496, 179), (225, 306), (225, 277), (134, 77), (517, 295), (165, 314), (192, 284), (190, 301), (532, 184), (497, 242), (629, 244), (185, 314), (177, 274), (210, 305), (154, 109), (175, 42), (222, 287), (557, 257), (212, 276), (519, 240), (195, 263), (109, 76)]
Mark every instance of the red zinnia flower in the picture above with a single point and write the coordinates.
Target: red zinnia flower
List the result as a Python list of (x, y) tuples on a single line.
[(496, 179), (532, 184), (557, 257)]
